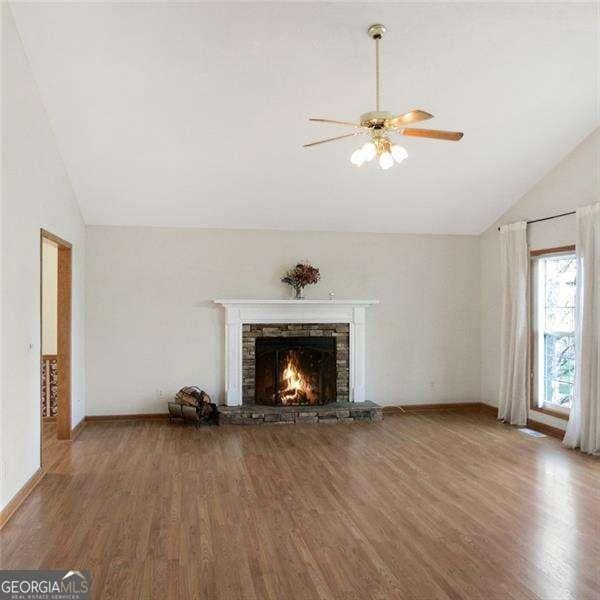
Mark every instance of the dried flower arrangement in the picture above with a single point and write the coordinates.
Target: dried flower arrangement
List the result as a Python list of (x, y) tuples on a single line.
[(301, 275)]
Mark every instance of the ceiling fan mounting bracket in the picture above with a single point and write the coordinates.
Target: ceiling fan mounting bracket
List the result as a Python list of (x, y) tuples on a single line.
[(376, 31), (375, 119)]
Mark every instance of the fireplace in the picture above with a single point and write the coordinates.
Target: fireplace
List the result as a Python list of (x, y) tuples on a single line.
[(246, 320), (292, 371), (315, 355)]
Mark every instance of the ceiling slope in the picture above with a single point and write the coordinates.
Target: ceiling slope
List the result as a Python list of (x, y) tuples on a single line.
[(193, 115)]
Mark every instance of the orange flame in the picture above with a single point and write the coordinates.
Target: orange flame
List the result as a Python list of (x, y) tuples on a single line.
[(298, 390)]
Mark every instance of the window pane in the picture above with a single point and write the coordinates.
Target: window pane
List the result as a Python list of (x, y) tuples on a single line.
[(560, 319), (559, 351), (560, 293), (554, 309)]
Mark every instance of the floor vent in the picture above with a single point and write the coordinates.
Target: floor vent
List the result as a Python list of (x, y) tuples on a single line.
[(531, 432)]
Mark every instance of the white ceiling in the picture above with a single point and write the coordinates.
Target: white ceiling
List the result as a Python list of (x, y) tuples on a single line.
[(194, 114)]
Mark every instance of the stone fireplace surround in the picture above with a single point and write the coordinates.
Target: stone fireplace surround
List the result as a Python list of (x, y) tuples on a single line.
[(240, 317), (341, 332)]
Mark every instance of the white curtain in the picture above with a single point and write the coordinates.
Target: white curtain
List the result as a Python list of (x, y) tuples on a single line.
[(512, 402), (583, 429)]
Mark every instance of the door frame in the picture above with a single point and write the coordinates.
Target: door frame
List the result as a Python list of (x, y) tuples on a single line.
[(63, 339)]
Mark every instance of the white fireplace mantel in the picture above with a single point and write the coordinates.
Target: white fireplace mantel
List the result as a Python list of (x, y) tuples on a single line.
[(241, 311)]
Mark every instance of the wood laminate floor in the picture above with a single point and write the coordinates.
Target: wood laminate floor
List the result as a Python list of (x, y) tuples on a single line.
[(53, 449), (419, 507)]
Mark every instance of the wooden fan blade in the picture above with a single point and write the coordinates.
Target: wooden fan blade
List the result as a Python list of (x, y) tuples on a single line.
[(453, 136), (414, 116), (319, 120), (339, 137)]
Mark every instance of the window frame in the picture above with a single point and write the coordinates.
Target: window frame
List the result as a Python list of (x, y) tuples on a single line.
[(536, 255)]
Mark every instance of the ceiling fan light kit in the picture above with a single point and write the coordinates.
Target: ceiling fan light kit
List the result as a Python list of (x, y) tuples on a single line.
[(380, 124)]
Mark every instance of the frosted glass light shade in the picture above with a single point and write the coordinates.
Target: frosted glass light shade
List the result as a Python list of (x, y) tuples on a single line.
[(399, 153), (369, 151), (386, 160), (357, 157)]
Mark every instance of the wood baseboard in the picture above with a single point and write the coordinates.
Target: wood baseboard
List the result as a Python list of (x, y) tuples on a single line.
[(403, 408), (417, 408), (547, 429), (20, 497), (127, 417), (78, 428)]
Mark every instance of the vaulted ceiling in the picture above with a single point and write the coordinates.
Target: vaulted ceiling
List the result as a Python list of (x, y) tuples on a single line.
[(194, 114)]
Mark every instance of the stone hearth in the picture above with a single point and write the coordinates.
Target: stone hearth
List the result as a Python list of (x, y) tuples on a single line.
[(338, 412)]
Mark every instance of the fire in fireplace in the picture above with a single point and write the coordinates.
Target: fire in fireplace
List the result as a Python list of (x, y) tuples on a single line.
[(295, 370)]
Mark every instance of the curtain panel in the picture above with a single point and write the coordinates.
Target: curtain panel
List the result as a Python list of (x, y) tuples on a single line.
[(583, 429), (512, 401)]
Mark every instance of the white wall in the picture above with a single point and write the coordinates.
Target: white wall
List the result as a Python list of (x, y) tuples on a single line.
[(49, 296), (151, 323), (36, 193), (574, 182)]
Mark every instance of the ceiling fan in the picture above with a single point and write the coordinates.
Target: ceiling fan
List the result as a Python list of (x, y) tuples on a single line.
[(379, 124)]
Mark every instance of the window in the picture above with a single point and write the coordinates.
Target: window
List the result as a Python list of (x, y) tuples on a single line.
[(553, 292)]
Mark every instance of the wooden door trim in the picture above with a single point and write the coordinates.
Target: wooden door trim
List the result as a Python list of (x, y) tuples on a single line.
[(64, 329), (54, 238), (63, 342)]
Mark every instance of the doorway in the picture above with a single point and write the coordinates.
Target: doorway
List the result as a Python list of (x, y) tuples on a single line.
[(55, 355)]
